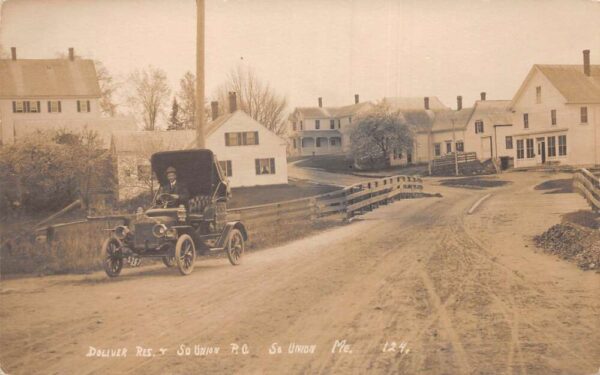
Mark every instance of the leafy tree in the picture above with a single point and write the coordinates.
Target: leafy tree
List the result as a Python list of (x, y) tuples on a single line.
[(255, 97), (376, 134), (149, 93), (174, 122)]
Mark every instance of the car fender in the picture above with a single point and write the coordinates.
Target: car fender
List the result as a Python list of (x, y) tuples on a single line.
[(227, 232)]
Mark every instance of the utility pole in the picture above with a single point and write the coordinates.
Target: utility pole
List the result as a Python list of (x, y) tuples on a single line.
[(200, 74), (455, 151)]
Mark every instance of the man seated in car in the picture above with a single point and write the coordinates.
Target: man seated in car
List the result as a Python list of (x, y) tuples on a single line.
[(178, 190)]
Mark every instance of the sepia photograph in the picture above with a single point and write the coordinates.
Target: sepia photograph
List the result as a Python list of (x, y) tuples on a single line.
[(300, 187)]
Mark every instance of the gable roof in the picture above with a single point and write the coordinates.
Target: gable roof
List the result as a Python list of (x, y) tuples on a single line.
[(57, 78), (333, 112), (414, 103), (419, 120), (570, 81), (495, 111), (445, 120)]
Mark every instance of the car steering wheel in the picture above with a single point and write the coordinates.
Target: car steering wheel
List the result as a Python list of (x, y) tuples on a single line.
[(165, 199)]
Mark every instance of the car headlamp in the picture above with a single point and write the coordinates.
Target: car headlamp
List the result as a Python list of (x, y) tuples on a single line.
[(159, 230), (121, 232), (171, 233)]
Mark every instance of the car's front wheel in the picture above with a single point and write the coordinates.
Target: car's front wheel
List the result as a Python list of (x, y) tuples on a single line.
[(185, 254), (113, 260)]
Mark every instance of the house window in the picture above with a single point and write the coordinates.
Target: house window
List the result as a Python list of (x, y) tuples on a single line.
[(26, 106), (54, 106), (551, 146), (460, 146), (530, 153), (294, 141), (317, 124), (526, 120), (397, 153), (553, 116), (562, 145), (350, 120), (265, 166), (584, 115), (437, 149), (509, 142), (301, 125), (331, 124), (339, 123), (241, 139), (226, 167), (83, 106), (294, 125), (520, 149), (334, 142), (478, 126), (448, 147), (538, 94)]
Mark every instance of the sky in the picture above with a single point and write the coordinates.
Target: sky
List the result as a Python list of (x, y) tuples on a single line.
[(307, 49)]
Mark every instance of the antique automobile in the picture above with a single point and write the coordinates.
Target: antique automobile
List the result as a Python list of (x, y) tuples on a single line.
[(177, 232)]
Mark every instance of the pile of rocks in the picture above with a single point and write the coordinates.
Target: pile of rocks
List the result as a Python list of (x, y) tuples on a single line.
[(572, 242)]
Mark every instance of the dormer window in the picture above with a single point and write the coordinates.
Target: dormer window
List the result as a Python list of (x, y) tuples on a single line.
[(538, 94)]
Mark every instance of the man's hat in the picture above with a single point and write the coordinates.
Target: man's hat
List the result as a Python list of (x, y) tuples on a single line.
[(171, 170)]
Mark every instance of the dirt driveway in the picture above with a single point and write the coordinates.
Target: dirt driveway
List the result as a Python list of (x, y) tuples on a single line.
[(416, 287)]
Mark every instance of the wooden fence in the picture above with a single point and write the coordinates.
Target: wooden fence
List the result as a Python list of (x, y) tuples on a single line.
[(588, 185), (344, 204), (448, 159)]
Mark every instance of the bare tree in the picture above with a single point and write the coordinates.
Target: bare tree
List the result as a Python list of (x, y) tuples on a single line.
[(149, 94), (187, 100), (376, 134), (108, 86), (256, 98)]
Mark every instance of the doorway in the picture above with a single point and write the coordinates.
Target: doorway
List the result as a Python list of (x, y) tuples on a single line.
[(541, 146)]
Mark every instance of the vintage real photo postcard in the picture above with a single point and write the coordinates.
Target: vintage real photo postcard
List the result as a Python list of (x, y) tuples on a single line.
[(300, 187)]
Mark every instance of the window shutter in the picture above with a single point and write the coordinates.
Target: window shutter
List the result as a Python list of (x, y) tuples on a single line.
[(14, 106), (272, 161), (78, 106), (256, 137), (49, 107), (59, 107), (229, 172), (257, 165), (89, 109), (226, 139), (244, 139), (38, 107)]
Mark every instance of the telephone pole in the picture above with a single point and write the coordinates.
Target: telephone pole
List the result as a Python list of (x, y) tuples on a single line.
[(200, 74), (455, 151)]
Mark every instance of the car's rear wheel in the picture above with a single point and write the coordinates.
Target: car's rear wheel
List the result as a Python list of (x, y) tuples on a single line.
[(235, 247), (113, 261), (185, 254), (169, 261)]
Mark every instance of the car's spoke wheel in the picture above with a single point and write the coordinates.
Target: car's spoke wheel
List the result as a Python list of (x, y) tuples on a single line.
[(185, 254), (113, 261), (169, 261), (235, 247)]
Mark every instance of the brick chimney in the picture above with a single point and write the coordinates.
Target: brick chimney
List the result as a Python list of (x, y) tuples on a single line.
[(214, 110), (482, 96), (320, 102), (586, 62), (13, 53), (71, 54), (458, 103), (356, 99), (232, 102), (426, 102)]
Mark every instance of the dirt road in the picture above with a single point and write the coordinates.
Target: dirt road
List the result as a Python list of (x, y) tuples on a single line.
[(466, 293)]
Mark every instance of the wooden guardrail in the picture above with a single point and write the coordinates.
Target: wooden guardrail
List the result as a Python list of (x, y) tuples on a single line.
[(448, 159), (346, 203), (588, 185)]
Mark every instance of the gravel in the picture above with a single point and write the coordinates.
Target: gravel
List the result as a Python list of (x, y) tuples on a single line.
[(574, 243)]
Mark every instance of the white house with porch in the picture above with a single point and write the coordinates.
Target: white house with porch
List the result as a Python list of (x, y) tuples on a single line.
[(323, 130), (556, 115)]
